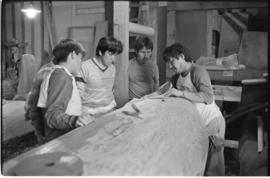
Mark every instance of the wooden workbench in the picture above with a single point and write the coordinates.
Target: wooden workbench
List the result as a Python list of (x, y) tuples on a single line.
[(167, 139)]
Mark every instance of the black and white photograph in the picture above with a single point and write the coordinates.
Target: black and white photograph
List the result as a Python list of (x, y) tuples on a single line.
[(134, 88)]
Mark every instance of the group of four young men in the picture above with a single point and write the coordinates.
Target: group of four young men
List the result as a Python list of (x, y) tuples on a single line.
[(70, 93)]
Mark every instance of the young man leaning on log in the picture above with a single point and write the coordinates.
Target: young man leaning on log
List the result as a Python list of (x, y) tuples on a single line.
[(192, 82), (54, 104)]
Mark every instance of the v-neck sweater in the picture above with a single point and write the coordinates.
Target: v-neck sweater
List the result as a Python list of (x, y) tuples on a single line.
[(97, 93)]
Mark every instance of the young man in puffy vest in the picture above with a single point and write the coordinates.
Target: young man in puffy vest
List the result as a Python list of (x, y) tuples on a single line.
[(59, 97)]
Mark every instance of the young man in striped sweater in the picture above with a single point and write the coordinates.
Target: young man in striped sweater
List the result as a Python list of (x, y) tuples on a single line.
[(98, 74)]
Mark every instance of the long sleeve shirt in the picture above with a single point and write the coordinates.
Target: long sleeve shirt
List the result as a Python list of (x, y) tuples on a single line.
[(198, 78), (197, 88), (60, 100)]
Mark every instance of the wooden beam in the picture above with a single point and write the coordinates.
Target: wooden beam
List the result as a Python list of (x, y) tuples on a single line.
[(37, 36), (171, 16), (32, 37), (208, 5), (42, 26), (161, 34), (101, 30), (141, 29), (109, 16), (27, 32), (23, 26), (121, 32), (13, 20), (171, 37), (17, 21), (8, 20), (4, 51)]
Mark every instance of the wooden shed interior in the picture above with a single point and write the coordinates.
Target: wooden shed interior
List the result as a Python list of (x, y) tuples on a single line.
[(210, 29)]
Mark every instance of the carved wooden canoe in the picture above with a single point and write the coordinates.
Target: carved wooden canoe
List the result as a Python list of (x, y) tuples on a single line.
[(166, 138)]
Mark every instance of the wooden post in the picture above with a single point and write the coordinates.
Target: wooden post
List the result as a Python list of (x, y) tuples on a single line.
[(121, 32), (161, 42), (171, 36), (171, 15), (109, 16), (153, 22), (2, 50)]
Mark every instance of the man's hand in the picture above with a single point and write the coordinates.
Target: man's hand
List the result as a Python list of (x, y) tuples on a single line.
[(84, 120), (174, 92), (150, 95)]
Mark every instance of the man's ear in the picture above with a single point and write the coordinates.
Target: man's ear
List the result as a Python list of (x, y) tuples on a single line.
[(181, 56), (70, 55), (100, 53)]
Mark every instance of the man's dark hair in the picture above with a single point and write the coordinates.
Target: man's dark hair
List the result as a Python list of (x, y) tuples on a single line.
[(175, 50), (143, 42), (64, 48), (109, 44)]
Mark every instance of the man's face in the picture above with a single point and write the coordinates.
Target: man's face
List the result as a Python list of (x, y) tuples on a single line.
[(143, 55), (77, 62), (178, 65), (108, 58), (14, 49)]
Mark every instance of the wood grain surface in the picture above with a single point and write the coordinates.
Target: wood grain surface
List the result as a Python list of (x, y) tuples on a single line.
[(167, 139)]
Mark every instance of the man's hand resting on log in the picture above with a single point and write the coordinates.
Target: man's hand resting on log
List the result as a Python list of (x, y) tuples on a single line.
[(84, 120), (163, 90)]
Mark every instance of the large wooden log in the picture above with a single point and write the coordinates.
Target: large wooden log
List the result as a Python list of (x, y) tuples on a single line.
[(168, 138)]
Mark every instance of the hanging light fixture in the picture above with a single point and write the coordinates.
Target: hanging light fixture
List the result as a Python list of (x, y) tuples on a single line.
[(31, 12)]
